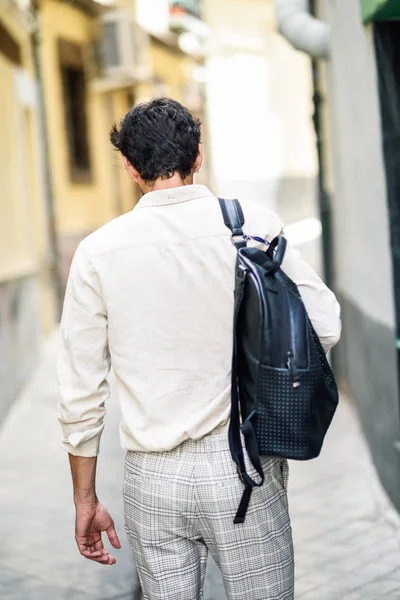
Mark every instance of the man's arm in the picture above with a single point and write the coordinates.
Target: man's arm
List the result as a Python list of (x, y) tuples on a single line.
[(83, 361), (320, 302), (91, 516), (83, 367)]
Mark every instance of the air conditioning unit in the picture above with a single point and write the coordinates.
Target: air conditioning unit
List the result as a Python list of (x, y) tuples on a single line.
[(124, 49)]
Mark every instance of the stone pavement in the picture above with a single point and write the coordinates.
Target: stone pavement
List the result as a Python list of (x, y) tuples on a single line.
[(346, 534)]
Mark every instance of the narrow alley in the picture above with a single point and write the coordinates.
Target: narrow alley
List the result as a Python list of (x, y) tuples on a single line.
[(347, 537)]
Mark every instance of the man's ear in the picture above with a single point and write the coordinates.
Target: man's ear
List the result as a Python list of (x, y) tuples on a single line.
[(199, 159), (132, 172)]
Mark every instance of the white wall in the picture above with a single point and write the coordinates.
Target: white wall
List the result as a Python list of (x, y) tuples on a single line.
[(363, 258), (259, 102)]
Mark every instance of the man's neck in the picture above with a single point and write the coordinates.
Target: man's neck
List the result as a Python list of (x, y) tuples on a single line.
[(166, 184)]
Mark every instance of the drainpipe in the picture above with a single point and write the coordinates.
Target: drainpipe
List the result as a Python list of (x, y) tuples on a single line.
[(324, 203), (54, 254), (324, 200), (298, 25)]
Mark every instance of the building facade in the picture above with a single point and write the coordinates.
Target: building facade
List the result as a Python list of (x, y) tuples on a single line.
[(259, 93), (69, 70), (358, 88), (26, 300), (83, 97), (97, 63), (178, 36)]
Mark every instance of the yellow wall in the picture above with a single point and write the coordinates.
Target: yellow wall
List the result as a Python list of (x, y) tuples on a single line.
[(23, 226), (17, 242), (127, 190), (16, 246), (80, 207), (172, 68)]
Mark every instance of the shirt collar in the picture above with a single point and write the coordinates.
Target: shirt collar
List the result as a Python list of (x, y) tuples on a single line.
[(174, 195)]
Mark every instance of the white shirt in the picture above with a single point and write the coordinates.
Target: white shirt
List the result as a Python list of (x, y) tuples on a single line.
[(151, 293)]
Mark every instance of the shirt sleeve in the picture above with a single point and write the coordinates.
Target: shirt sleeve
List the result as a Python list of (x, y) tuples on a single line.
[(83, 361), (319, 301)]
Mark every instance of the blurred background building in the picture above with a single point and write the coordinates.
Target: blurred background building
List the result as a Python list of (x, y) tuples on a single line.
[(357, 96), (24, 240), (312, 132), (68, 71)]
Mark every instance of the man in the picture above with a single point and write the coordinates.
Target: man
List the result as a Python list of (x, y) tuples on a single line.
[(151, 293)]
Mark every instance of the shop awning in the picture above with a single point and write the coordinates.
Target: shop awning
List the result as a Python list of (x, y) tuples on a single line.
[(379, 10)]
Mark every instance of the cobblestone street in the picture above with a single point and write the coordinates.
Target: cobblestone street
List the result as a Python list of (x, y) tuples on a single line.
[(346, 534)]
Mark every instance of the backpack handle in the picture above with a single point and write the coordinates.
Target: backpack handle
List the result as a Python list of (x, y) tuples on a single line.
[(279, 243)]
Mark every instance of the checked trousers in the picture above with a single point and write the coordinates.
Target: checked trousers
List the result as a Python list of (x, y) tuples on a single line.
[(180, 505)]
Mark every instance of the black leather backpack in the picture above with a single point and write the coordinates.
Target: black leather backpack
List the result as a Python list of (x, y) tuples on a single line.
[(284, 394)]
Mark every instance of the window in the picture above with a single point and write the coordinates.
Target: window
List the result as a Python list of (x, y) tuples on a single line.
[(9, 47), (111, 53), (74, 92)]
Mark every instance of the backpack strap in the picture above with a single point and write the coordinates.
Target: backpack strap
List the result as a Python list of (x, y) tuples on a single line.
[(234, 220), (247, 429)]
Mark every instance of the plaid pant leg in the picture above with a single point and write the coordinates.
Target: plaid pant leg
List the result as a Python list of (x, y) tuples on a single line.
[(159, 522), (255, 557)]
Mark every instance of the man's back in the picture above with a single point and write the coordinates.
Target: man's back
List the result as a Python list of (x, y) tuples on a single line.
[(164, 279)]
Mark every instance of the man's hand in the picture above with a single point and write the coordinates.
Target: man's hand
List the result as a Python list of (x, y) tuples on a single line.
[(91, 519)]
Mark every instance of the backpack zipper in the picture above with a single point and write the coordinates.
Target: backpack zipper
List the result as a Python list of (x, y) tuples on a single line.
[(291, 361), (291, 364)]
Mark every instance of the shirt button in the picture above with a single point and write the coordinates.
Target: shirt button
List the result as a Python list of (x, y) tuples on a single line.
[(170, 197)]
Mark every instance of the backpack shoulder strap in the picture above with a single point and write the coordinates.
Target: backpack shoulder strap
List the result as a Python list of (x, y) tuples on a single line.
[(234, 220), (234, 435)]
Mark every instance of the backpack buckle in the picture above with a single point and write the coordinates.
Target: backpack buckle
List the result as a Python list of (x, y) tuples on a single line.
[(238, 238)]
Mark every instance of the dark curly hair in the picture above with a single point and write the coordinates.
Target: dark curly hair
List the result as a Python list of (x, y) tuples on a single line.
[(158, 138)]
